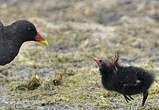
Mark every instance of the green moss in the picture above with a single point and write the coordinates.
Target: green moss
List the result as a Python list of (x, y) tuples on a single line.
[(18, 85), (34, 82), (11, 107), (3, 80)]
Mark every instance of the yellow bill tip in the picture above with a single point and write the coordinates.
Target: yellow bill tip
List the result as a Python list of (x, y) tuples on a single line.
[(44, 42)]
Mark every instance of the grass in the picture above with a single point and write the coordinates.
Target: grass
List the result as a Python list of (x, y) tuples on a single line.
[(67, 74)]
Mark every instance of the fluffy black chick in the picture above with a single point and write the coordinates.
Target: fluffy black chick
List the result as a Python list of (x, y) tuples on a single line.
[(13, 36), (128, 80)]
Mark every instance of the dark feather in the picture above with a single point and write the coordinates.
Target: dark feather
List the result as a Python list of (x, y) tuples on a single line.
[(1, 25)]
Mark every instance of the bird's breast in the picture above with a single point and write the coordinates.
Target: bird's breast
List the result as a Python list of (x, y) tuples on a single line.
[(8, 52)]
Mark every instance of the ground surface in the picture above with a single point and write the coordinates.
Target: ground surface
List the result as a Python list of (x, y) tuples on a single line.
[(78, 31)]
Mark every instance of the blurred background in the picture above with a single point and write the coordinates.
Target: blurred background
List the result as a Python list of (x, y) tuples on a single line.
[(78, 31)]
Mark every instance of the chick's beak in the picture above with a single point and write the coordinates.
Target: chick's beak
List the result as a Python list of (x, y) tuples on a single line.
[(40, 39), (97, 61)]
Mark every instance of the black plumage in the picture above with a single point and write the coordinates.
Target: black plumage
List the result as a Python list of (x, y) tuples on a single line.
[(128, 80), (13, 36), (1, 25)]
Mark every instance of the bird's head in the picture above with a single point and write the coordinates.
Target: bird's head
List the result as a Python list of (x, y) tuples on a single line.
[(106, 66), (26, 31)]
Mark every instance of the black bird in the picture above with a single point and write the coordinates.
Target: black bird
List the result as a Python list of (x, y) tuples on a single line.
[(13, 36), (128, 80)]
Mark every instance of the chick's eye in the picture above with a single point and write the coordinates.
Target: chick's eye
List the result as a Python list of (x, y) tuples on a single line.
[(100, 61)]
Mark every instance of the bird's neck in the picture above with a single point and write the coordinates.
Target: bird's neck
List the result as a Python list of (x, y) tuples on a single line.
[(105, 73), (13, 35), (107, 81)]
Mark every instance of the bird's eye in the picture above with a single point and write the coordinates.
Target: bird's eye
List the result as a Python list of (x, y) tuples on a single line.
[(100, 61), (30, 29)]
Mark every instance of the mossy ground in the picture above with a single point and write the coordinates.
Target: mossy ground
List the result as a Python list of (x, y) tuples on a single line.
[(77, 32)]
